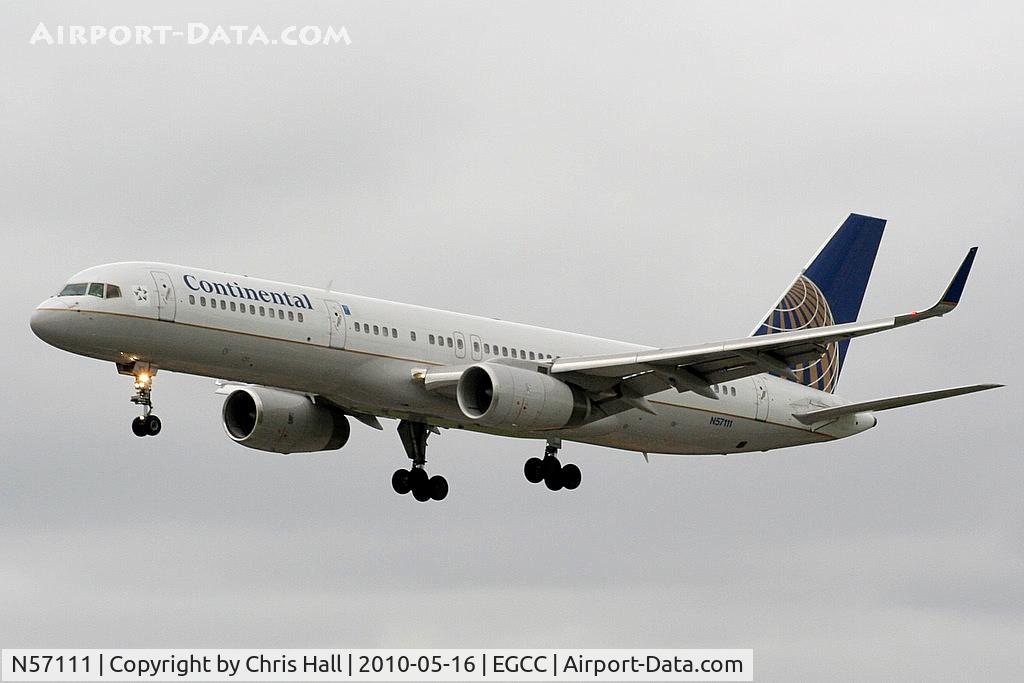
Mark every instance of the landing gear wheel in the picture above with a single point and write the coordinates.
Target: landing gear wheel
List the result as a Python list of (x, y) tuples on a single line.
[(554, 481), (417, 479), (421, 493), (550, 467), (534, 470), (438, 487), (571, 476), (549, 470), (139, 426), (152, 423), (400, 482)]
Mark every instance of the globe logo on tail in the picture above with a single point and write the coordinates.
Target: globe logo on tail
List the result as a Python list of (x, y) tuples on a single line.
[(804, 306)]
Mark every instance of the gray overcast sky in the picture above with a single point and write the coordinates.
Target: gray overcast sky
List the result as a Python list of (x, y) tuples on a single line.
[(652, 172)]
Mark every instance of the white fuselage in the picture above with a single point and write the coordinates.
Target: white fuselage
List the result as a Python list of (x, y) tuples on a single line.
[(361, 354)]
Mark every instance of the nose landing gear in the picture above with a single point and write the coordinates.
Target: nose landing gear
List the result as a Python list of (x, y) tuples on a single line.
[(553, 473), (146, 424)]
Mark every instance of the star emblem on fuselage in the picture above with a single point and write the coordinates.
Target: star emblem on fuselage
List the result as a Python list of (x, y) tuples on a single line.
[(140, 293)]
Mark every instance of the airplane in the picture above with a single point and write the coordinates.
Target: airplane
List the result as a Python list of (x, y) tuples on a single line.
[(295, 363)]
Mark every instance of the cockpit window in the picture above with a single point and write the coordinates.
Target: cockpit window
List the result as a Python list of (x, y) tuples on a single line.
[(97, 289), (74, 289)]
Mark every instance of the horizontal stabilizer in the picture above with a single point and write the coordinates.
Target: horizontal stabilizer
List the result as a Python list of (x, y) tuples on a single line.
[(891, 402)]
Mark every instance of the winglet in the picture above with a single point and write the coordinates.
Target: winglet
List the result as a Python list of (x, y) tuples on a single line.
[(956, 285), (950, 298)]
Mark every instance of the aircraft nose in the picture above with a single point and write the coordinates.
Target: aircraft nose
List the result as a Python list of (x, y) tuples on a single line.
[(47, 320)]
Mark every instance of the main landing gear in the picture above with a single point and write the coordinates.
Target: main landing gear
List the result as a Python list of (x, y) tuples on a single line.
[(146, 424), (414, 438), (553, 473)]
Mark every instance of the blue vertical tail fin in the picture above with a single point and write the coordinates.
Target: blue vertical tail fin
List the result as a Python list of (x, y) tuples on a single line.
[(828, 291)]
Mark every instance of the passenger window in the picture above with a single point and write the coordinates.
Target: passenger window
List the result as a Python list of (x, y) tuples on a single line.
[(376, 329), (487, 348), (430, 339), (358, 329), (213, 303), (532, 357), (233, 307), (113, 292), (280, 315), (223, 305), (202, 301), (412, 335), (291, 316), (394, 333), (300, 317), (449, 342), (458, 342), (476, 347), (76, 289), (192, 299), (263, 312), (732, 390), (504, 350), (252, 310)]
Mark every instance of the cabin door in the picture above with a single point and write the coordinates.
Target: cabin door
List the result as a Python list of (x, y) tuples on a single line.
[(165, 301), (337, 315), (763, 398)]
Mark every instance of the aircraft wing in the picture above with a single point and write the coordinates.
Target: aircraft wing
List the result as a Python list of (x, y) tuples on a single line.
[(626, 378)]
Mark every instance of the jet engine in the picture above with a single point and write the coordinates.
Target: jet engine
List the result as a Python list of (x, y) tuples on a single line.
[(282, 421), (519, 399)]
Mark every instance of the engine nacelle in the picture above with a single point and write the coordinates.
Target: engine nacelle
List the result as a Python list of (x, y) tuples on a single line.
[(509, 397), (282, 422)]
